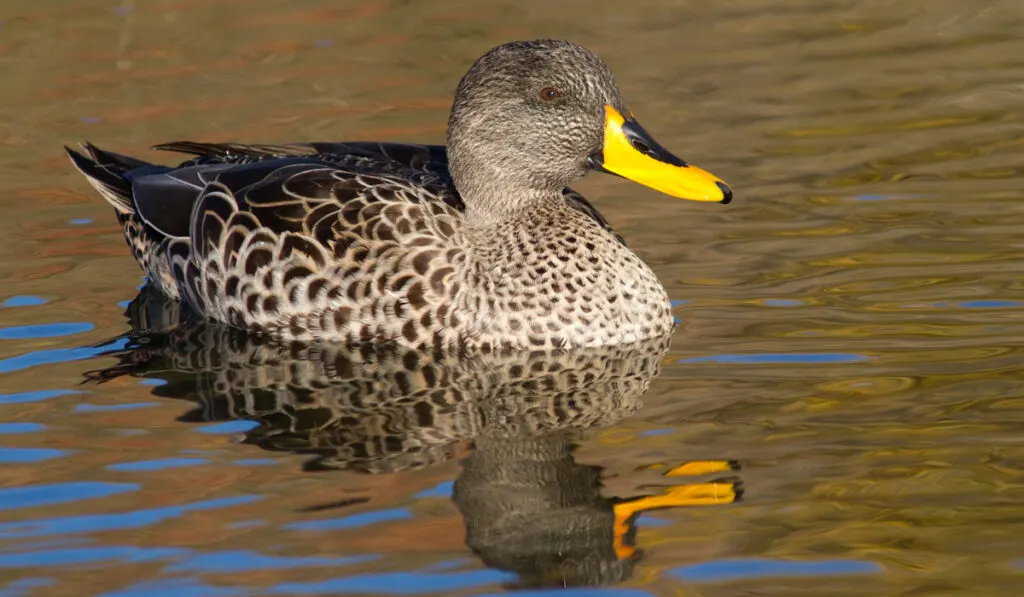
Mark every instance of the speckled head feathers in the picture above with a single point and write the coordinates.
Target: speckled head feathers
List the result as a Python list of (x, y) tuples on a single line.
[(527, 115)]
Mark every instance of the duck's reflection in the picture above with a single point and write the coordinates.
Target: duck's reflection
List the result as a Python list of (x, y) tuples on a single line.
[(528, 506)]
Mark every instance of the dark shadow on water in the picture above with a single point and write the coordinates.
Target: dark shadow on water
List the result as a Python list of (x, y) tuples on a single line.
[(528, 506)]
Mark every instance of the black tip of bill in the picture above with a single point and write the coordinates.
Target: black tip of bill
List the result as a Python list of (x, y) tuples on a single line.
[(726, 192)]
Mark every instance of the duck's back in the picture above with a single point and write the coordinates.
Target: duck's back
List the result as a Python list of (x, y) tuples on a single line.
[(345, 241)]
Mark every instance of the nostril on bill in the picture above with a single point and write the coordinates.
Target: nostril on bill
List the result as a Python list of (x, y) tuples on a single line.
[(640, 146)]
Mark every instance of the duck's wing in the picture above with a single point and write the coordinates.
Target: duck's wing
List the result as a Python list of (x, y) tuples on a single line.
[(413, 161), (286, 179), (409, 160)]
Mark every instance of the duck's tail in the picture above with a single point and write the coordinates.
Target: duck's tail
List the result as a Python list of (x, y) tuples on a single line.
[(109, 173)]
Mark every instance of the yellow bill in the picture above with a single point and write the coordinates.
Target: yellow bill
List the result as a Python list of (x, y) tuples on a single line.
[(630, 152)]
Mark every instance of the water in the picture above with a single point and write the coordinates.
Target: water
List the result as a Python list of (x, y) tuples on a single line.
[(839, 412)]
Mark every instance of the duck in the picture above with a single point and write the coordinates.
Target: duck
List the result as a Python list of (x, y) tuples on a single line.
[(479, 244)]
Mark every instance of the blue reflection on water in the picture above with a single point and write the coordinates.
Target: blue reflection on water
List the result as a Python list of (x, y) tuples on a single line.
[(396, 583), (782, 358), (34, 396), (252, 561), (57, 355), (100, 408), (19, 428), (24, 586), (782, 303), (883, 197), (228, 427), (44, 330), (674, 304), (990, 304), (24, 300), (441, 490), (26, 455), (156, 465), (176, 587), (647, 521), (87, 555), (59, 493), (745, 569), (91, 523), (351, 522)]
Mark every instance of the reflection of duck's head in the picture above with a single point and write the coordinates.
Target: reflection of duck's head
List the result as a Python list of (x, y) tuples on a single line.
[(531, 509)]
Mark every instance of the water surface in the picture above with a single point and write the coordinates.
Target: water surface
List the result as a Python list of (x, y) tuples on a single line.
[(848, 361)]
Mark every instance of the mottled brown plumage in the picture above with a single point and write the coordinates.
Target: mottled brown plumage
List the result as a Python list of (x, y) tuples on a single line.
[(479, 245)]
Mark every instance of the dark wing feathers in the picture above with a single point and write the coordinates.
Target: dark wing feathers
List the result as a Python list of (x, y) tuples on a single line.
[(165, 201), (418, 158), (236, 150), (111, 174), (284, 186)]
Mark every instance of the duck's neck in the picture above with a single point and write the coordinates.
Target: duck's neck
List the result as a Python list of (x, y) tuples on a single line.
[(494, 196), (488, 210), (497, 180)]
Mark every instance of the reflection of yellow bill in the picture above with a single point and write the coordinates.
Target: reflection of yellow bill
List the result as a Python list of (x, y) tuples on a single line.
[(700, 494), (700, 467)]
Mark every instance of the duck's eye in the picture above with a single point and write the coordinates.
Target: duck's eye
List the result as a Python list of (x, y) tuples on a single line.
[(550, 94)]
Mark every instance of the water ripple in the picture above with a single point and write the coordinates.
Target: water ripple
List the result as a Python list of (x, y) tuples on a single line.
[(44, 330), (745, 569), (778, 358), (91, 523), (87, 555), (176, 587), (351, 522), (396, 583), (19, 428), (156, 465), (24, 301), (34, 396), (32, 496), (54, 356), (29, 455), (227, 562)]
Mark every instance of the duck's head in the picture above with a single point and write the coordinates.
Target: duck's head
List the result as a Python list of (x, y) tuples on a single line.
[(532, 117)]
